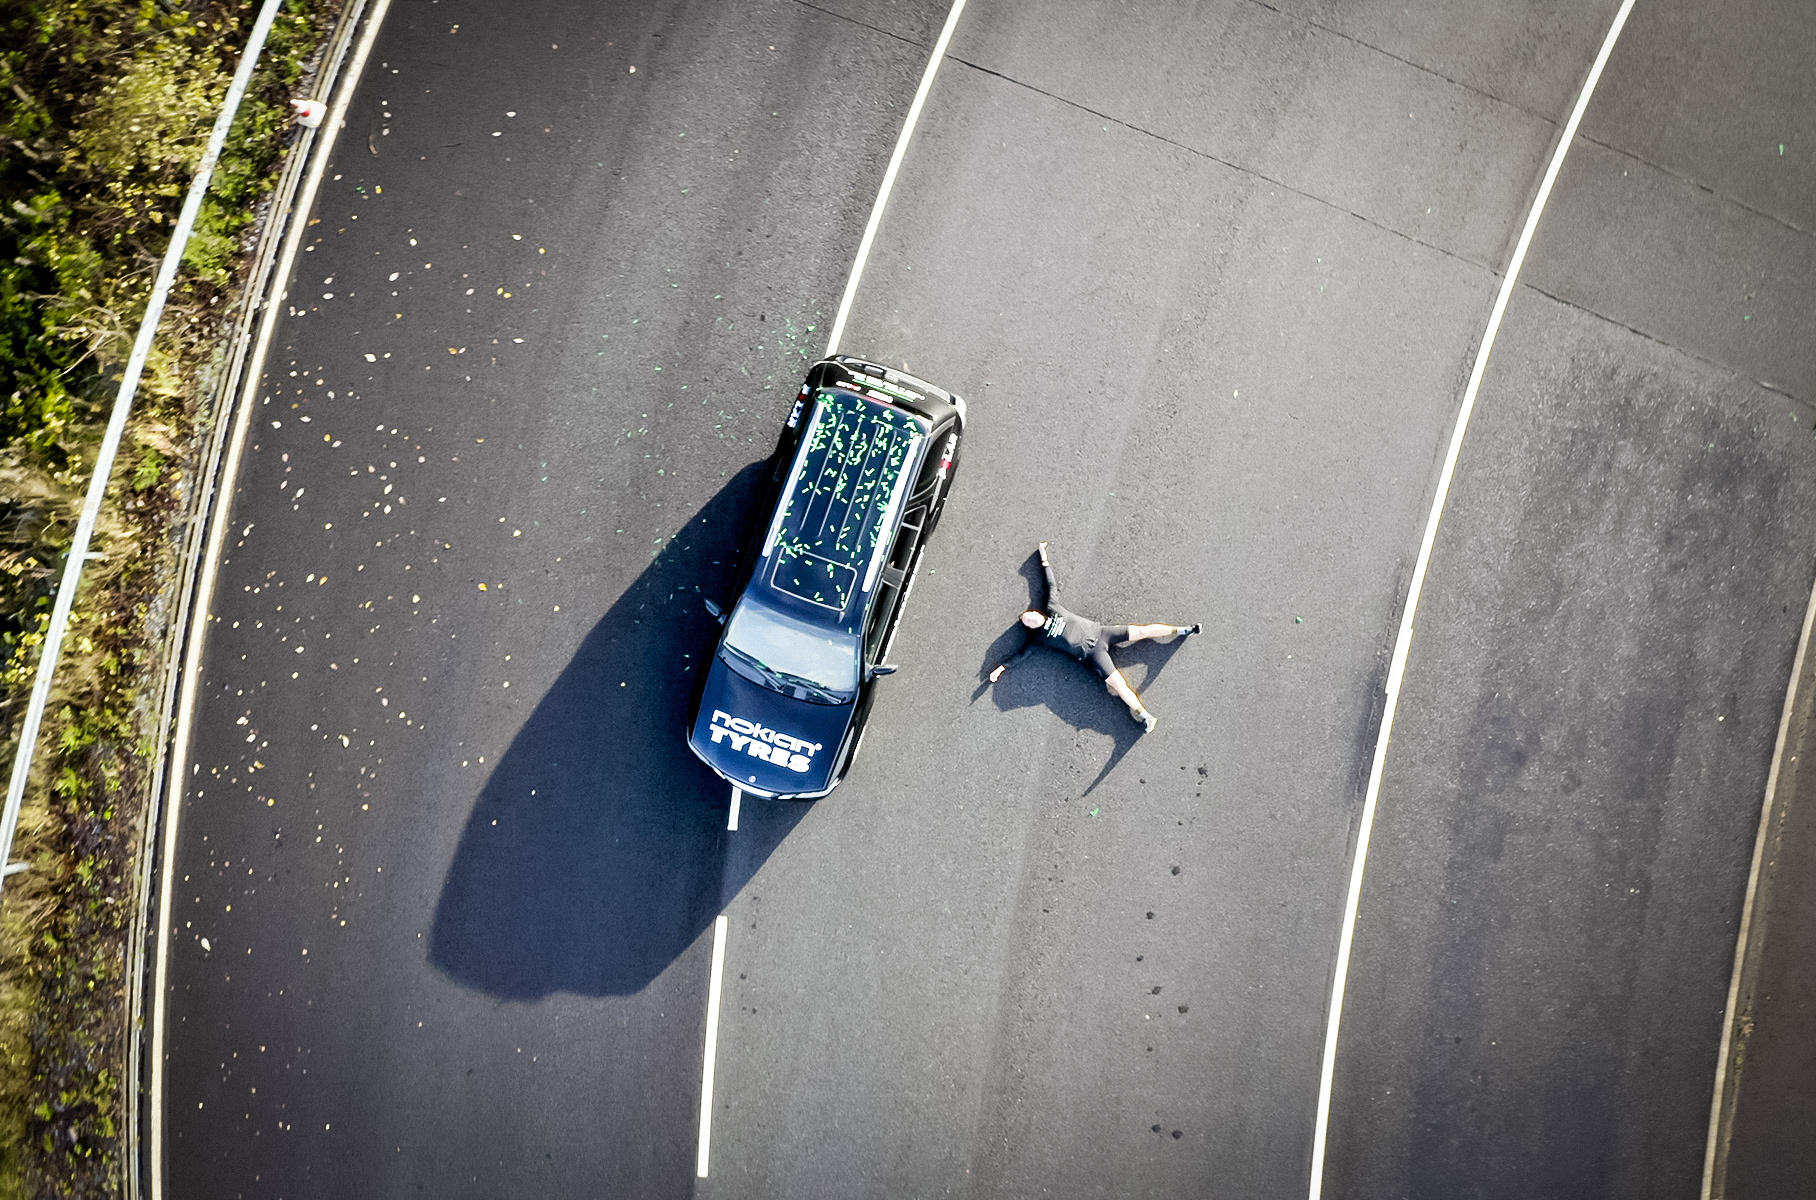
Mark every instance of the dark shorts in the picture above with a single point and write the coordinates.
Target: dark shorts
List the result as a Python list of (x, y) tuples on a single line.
[(1099, 656)]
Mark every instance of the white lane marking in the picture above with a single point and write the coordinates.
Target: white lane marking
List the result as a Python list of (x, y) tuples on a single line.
[(79, 554), (205, 585), (895, 163), (1403, 641), (832, 345), (1767, 813), (712, 1043)]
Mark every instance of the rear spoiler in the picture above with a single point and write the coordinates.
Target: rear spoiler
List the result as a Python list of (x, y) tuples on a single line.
[(894, 386)]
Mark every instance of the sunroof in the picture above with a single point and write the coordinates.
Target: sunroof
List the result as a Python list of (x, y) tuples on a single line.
[(807, 576), (854, 460)]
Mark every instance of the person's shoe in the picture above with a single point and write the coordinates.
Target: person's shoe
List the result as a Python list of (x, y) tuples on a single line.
[(1144, 718), (1196, 628)]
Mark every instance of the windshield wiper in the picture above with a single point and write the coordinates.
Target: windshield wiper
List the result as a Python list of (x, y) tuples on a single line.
[(756, 664), (816, 691), (782, 681)]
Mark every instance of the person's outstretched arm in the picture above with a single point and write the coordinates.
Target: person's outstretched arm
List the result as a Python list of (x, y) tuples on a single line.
[(1026, 650), (1046, 566)]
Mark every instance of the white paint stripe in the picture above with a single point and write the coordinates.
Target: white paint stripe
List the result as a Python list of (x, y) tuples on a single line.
[(211, 564), (109, 450), (712, 1043), (895, 163), (1718, 1109), (1403, 641), (832, 345)]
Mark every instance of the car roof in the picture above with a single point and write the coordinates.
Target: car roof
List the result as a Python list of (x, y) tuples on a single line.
[(844, 494)]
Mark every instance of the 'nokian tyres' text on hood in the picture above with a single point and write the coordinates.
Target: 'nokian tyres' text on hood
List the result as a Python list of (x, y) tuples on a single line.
[(766, 741)]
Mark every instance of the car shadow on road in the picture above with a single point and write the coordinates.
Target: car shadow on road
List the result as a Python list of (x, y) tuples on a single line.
[(1070, 690), (597, 850)]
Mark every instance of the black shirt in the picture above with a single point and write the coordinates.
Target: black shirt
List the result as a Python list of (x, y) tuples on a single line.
[(1065, 631)]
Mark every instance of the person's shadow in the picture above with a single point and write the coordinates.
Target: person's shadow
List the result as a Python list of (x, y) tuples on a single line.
[(1071, 690), (597, 851)]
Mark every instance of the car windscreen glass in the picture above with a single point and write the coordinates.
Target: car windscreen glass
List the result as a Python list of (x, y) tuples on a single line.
[(801, 659)]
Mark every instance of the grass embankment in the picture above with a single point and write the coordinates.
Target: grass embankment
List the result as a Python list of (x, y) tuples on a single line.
[(105, 106)]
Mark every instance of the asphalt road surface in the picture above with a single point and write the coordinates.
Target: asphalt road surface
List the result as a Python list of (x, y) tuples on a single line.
[(1590, 709), (458, 952), (1212, 278)]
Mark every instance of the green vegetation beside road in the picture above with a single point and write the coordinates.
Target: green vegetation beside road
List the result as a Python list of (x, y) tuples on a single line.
[(105, 106)]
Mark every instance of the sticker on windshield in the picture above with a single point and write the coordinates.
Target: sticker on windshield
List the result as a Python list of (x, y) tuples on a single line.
[(759, 741)]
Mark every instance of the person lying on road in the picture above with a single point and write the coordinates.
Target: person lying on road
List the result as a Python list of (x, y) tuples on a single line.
[(1059, 628)]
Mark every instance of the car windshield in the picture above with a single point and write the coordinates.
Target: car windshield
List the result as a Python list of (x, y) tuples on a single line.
[(796, 657)]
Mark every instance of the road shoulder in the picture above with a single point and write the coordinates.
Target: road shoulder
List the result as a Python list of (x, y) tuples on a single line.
[(1767, 1104)]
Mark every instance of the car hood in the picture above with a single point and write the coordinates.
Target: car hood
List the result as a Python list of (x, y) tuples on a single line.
[(764, 740)]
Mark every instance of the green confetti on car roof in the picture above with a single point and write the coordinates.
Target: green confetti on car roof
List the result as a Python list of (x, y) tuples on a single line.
[(855, 452)]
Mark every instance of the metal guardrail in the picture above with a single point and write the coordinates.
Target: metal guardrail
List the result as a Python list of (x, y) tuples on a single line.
[(225, 386), (116, 431)]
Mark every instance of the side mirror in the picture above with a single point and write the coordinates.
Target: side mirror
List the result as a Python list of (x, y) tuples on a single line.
[(718, 613), (882, 669)]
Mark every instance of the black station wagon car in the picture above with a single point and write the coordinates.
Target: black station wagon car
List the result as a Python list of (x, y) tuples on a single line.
[(855, 486)]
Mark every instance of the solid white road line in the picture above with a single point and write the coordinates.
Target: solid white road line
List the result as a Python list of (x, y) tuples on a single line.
[(1718, 1108), (832, 345), (712, 1044), (895, 163), (1403, 641), (205, 585)]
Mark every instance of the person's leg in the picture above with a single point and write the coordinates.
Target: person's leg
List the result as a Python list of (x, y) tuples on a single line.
[(1158, 633), (1113, 679), (1119, 687)]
